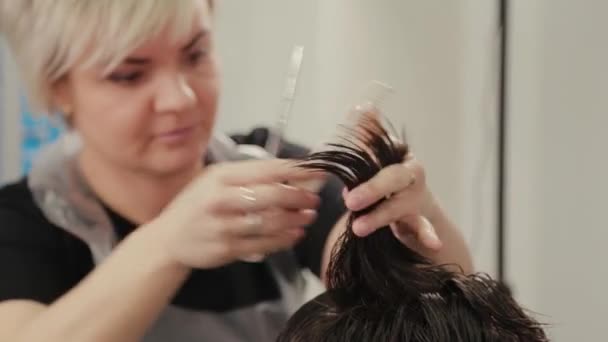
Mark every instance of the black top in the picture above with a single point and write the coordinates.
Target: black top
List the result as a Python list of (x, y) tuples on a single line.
[(40, 261)]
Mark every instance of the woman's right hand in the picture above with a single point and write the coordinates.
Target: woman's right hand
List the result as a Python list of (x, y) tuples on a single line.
[(235, 210)]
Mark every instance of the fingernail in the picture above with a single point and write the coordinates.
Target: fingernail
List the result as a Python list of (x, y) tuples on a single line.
[(360, 227), (287, 186), (296, 232), (317, 200), (432, 237), (310, 214), (355, 201)]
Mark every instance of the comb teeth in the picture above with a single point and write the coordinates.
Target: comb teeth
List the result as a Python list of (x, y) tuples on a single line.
[(292, 74), (287, 98), (377, 92), (373, 96)]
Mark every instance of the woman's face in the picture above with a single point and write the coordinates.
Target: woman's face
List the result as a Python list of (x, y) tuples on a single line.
[(154, 112)]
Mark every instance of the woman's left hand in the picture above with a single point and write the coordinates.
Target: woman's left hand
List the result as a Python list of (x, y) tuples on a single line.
[(404, 186)]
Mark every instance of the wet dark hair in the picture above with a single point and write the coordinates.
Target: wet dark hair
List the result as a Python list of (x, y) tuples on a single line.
[(381, 290)]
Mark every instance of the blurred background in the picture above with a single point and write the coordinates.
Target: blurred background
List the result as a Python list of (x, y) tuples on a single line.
[(442, 58)]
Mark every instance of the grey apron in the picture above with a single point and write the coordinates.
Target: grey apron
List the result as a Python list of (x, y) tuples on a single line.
[(68, 202)]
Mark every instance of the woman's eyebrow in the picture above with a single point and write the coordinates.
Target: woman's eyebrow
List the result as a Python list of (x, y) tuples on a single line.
[(195, 40)]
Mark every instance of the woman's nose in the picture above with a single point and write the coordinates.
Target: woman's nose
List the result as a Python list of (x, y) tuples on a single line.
[(175, 95)]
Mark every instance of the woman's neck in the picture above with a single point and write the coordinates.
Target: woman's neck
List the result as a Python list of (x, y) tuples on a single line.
[(135, 196)]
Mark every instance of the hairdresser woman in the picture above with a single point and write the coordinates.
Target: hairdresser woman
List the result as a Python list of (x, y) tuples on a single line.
[(135, 226)]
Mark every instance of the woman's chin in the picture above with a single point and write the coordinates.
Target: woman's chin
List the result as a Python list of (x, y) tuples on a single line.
[(179, 160)]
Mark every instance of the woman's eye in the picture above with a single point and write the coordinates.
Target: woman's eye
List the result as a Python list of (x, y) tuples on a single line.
[(196, 57), (126, 78)]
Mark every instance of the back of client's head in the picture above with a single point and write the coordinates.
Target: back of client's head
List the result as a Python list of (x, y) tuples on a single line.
[(380, 290)]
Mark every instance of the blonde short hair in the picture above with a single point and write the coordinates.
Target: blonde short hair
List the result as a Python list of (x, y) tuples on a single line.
[(48, 37)]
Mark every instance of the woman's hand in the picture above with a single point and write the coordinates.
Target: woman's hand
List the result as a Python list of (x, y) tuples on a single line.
[(404, 186), (235, 210)]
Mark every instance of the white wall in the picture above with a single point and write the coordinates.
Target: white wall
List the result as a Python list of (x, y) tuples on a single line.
[(558, 164), (436, 54), (9, 119), (478, 124)]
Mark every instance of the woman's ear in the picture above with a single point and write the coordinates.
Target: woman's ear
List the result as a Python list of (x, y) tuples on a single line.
[(61, 98)]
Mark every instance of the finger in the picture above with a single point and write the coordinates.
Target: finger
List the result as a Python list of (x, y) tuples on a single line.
[(261, 171), (264, 196), (314, 184), (403, 234), (254, 258), (268, 222), (388, 181), (423, 231), (386, 213), (344, 192), (244, 247)]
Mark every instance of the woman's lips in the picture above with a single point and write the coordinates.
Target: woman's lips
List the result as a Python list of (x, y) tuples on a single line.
[(177, 135)]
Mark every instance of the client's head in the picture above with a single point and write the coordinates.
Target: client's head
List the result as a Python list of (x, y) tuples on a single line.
[(381, 290)]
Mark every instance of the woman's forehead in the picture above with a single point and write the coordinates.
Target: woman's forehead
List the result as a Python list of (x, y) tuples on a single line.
[(163, 25), (166, 46)]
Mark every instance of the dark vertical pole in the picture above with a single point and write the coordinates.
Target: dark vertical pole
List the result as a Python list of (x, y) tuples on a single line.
[(502, 122)]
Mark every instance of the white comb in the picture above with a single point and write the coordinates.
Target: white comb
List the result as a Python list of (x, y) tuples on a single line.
[(287, 98)]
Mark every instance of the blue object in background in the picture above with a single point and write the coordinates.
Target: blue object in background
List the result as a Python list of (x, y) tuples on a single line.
[(37, 131)]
